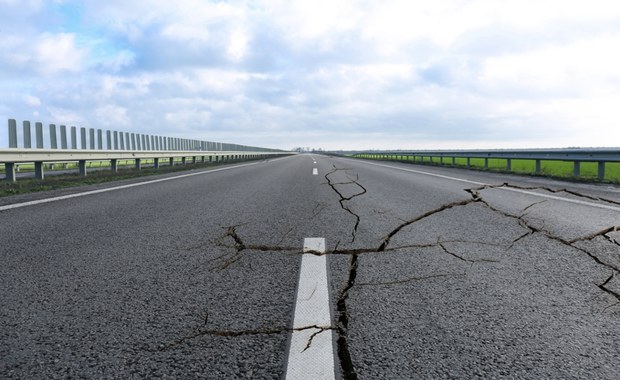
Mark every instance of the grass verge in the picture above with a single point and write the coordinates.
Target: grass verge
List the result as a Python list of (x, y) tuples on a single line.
[(554, 169), (52, 182)]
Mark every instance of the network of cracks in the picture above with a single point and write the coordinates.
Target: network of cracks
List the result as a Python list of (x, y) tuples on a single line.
[(237, 248)]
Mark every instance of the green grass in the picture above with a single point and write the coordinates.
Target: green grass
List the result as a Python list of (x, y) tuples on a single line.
[(560, 169), (52, 182)]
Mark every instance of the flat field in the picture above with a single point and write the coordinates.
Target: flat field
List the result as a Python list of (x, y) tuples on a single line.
[(562, 169)]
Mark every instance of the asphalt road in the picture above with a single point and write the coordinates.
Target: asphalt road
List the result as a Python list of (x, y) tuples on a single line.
[(432, 273)]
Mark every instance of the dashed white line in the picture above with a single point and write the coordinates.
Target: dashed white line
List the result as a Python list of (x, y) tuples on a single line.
[(315, 171), (311, 352)]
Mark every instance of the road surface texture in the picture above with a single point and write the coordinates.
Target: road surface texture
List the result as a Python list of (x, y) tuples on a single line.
[(432, 273)]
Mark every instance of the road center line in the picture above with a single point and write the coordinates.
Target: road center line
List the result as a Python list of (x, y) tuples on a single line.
[(311, 352), (47, 200), (522, 191), (315, 171)]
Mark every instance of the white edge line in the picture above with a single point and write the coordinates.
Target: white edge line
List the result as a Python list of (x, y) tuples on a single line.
[(575, 201), (47, 200)]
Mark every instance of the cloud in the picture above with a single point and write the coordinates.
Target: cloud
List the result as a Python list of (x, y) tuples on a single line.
[(284, 73), (56, 52)]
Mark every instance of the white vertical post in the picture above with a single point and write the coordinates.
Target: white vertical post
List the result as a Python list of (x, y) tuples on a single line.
[(53, 140), (99, 139), (63, 137), (39, 134), (73, 138), (83, 137), (12, 133), (92, 138), (27, 135)]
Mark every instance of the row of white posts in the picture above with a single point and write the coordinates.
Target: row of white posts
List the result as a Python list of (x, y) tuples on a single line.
[(119, 146)]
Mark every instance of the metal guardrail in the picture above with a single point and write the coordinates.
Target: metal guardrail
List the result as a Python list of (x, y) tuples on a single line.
[(577, 156), (118, 146)]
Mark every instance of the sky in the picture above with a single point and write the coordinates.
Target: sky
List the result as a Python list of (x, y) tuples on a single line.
[(330, 74)]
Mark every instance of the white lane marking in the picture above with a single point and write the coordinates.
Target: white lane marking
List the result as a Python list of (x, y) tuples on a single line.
[(47, 200), (429, 174), (315, 171), (312, 314), (548, 196)]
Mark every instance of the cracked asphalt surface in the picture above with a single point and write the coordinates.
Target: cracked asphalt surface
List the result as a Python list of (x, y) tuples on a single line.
[(430, 277)]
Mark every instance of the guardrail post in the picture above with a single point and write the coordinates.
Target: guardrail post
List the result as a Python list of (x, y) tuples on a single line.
[(468, 162), (202, 159), (9, 171), (171, 161), (486, 163), (114, 165), (537, 166), (12, 133), (39, 134), (601, 170), (183, 160), (576, 168), (91, 132), (63, 137), (156, 163), (138, 164), (73, 138), (83, 137), (453, 161), (53, 140), (210, 158), (508, 164), (82, 163), (194, 160), (27, 135), (38, 170)]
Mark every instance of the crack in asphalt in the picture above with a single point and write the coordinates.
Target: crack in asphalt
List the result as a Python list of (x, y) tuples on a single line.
[(443, 247), (343, 198), (342, 323), (448, 206), (569, 243), (321, 330), (603, 233), (344, 355), (562, 190), (199, 332), (239, 246)]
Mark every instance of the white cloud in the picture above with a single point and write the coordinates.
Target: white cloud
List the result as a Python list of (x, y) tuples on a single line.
[(436, 74), (56, 52), (112, 116), (32, 101)]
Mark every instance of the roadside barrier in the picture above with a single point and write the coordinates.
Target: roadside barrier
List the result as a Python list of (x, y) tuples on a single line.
[(61, 145), (440, 157)]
